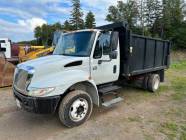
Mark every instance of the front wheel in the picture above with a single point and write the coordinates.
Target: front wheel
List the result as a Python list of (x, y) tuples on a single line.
[(75, 108)]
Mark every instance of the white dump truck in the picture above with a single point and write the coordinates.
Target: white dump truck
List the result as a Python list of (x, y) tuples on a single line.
[(86, 66)]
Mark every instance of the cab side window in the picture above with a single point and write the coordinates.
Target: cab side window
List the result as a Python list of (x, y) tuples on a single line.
[(102, 45), (105, 43)]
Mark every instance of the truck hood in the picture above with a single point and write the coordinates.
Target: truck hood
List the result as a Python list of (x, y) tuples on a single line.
[(53, 64), (51, 60)]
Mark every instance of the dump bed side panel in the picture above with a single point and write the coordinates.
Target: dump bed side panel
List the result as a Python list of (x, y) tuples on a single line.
[(147, 55)]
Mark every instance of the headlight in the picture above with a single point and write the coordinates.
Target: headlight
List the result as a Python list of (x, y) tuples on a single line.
[(30, 70), (15, 72), (40, 91)]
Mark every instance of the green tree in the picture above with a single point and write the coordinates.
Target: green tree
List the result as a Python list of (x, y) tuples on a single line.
[(37, 35), (90, 20), (141, 17), (67, 26), (153, 12), (57, 26), (44, 34), (76, 20), (172, 17), (124, 12), (179, 36)]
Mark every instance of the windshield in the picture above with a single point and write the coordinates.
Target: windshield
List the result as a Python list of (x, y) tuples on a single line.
[(75, 44), (56, 37)]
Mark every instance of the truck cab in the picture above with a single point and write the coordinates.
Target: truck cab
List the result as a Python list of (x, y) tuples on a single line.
[(85, 66), (5, 45)]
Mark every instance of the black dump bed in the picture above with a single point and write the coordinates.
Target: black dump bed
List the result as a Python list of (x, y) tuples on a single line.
[(140, 54)]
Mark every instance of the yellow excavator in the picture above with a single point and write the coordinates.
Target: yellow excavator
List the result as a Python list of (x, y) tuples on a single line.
[(10, 55), (31, 52)]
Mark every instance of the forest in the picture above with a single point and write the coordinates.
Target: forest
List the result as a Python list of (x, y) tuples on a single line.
[(164, 19)]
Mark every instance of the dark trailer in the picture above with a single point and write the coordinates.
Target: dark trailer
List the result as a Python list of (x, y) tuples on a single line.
[(139, 54)]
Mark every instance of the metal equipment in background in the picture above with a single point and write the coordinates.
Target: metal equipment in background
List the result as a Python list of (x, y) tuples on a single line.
[(12, 54), (6, 70)]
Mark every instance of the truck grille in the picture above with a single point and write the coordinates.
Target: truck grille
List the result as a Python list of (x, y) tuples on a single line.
[(21, 81)]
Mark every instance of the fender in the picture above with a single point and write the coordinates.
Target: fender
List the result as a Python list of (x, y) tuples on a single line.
[(62, 81)]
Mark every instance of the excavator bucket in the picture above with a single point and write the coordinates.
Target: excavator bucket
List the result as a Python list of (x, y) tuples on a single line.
[(6, 71)]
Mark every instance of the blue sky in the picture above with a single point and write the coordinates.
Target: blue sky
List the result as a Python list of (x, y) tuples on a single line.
[(18, 18)]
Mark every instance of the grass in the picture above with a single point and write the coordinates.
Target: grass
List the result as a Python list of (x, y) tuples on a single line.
[(183, 133), (179, 87), (181, 65), (163, 88), (178, 112), (135, 119), (177, 78), (176, 86), (183, 136), (173, 130), (169, 129), (148, 137), (1, 114)]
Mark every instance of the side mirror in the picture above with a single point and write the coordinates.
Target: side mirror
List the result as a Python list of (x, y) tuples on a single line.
[(113, 55), (114, 40)]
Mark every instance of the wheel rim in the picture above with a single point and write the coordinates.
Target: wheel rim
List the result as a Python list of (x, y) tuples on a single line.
[(78, 109), (156, 84)]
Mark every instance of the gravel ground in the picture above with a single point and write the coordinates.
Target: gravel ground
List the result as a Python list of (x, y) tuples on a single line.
[(141, 116)]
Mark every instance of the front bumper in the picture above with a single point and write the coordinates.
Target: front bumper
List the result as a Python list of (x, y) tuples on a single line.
[(40, 105)]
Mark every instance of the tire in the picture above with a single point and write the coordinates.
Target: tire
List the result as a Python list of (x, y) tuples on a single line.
[(153, 82), (145, 82), (75, 108)]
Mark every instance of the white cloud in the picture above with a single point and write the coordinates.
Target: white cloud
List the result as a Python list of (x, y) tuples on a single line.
[(99, 3), (28, 14), (22, 30), (55, 8), (15, 12), (32, 23), (11, 27), (32, 1), (99, 8), (25, 9)]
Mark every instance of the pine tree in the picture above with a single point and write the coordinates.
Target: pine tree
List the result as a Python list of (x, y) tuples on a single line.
[(67, 26), (172, 16), (124, 12), (76, 20), (153, 12), (90, 20), (141, 15)]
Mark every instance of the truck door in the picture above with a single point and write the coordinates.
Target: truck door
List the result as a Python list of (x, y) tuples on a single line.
[(105, 69)]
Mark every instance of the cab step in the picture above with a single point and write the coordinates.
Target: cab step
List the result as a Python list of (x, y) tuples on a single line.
[(112, 102), (108, 89)]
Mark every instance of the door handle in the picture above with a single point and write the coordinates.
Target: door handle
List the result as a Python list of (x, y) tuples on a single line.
[(114, 69), (95, 68)]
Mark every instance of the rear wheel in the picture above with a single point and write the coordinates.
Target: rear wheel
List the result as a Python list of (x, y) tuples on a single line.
[(153, 82), (75, 108)]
